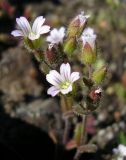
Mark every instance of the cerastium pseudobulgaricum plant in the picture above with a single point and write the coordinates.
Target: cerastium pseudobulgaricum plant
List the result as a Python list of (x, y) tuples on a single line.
[(67, 57)]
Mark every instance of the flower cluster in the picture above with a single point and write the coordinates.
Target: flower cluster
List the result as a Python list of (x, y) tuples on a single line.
[(62, 82), (66, 56)]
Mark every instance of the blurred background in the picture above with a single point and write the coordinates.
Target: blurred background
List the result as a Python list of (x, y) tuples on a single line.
[(23, 87)]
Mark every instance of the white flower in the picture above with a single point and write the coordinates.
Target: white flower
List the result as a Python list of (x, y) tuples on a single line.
[(56, 36), (34, 32), (89, 37), (82, 18), (120, 152), (62, 82)]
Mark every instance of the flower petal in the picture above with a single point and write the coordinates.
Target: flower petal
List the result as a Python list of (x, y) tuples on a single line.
[(54, 78), (24, 25), (65, 71), (56, 36), (44, 29), (49, 39), (62, 32), (65, 91), (17, 33), (89, 37), (38, 24), (53, 91), (74, 76)]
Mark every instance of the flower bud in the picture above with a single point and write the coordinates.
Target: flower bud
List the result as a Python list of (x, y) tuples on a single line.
[(99, 75), (50, 54), (70, 46), (95, 94), (77, 25), (88, 55)]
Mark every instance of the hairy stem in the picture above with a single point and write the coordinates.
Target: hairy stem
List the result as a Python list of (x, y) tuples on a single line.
[(48, 65), (66, 107), (66, 131), (83, 137), (77, 155), (89, 71), (83, 132), (84, 121)]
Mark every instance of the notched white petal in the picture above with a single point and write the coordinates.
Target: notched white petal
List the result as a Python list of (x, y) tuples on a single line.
[(75, 76), (38, 24), (44, 29), (53, 91), (56, 36), (24, 25)]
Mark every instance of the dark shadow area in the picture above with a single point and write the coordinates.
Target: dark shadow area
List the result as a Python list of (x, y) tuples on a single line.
[(22, 141)]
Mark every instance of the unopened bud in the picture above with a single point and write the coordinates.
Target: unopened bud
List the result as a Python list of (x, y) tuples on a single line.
[(88, 54), (88, 38), (51, 54), (99, 75), (70, 46), (73, 28), (77, 25), (95, 94)]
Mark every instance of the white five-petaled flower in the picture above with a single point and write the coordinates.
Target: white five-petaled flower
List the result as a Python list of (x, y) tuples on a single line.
[(82, 18), (63, 81), (120, 152), (34, 32), (56, 36), (89, 37)]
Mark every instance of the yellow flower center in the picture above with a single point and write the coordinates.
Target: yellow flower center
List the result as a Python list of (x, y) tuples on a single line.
[(65, 85), (32, 34)]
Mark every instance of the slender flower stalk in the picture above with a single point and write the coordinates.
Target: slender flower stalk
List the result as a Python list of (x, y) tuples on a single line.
[(32, 33), (56, 36), (63, 81)]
